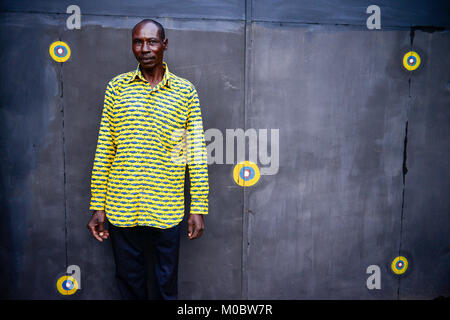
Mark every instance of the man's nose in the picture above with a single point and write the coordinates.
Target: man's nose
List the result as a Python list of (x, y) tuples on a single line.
[(146, 47)]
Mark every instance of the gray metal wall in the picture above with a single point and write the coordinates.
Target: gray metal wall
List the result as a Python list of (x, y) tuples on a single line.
[(364, 145)]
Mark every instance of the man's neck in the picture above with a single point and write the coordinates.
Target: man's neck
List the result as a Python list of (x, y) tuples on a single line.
[(153, 75)]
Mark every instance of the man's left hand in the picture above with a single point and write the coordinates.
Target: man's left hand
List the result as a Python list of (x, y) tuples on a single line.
[(196, 225)]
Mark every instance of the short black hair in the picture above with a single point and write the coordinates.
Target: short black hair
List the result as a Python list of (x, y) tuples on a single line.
[(162, 33)]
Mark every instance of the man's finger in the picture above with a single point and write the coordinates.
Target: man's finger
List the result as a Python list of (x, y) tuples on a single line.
[(200, 230), (195, 233), (100, 228), (94, 233), (105, 234), (190, 225)]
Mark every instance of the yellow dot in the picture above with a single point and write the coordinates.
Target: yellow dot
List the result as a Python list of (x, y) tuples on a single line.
[(242, 173), (69, 287), (408, 60), (401, 262), (59, 51)]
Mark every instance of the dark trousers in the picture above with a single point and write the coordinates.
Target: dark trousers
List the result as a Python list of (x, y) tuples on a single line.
[(132, 248)]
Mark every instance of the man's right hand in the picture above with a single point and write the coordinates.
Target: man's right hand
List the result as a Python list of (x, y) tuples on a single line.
[(96, 225)]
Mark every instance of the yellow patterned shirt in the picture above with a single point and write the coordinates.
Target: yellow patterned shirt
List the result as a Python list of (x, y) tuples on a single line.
[(147, 136)]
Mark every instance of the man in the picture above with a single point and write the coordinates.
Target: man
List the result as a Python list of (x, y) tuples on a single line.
[(137, 178)]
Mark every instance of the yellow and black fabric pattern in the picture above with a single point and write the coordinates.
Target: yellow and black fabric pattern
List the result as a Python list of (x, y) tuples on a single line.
[(147, 136)]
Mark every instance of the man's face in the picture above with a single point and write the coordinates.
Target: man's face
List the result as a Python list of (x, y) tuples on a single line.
[(148, 48)]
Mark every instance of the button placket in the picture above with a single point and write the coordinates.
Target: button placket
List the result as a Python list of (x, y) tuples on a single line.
[(146, 135)]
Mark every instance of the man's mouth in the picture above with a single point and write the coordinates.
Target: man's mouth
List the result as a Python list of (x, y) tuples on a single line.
[(147, 59)]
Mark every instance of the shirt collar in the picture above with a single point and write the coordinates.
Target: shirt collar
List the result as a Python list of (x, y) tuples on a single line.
[(165, 79)]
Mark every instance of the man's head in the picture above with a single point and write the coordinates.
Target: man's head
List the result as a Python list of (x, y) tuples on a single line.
[(149, 43)]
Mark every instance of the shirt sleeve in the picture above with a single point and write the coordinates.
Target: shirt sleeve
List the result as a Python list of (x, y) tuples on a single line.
[(197, 157), (104, 154)]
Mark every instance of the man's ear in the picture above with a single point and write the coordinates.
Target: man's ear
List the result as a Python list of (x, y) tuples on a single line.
[(165, 43)]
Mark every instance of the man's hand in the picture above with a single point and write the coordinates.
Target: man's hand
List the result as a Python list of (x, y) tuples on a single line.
[(96, 225), (196, 225)]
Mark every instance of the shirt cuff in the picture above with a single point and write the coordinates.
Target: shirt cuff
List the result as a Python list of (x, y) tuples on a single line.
[(95, 204), (199, 206)]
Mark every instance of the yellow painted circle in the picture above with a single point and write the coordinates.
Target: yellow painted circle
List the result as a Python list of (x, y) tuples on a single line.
[(246, 173), (67, 285), (411, 61), (59, 51), (399, 265)]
